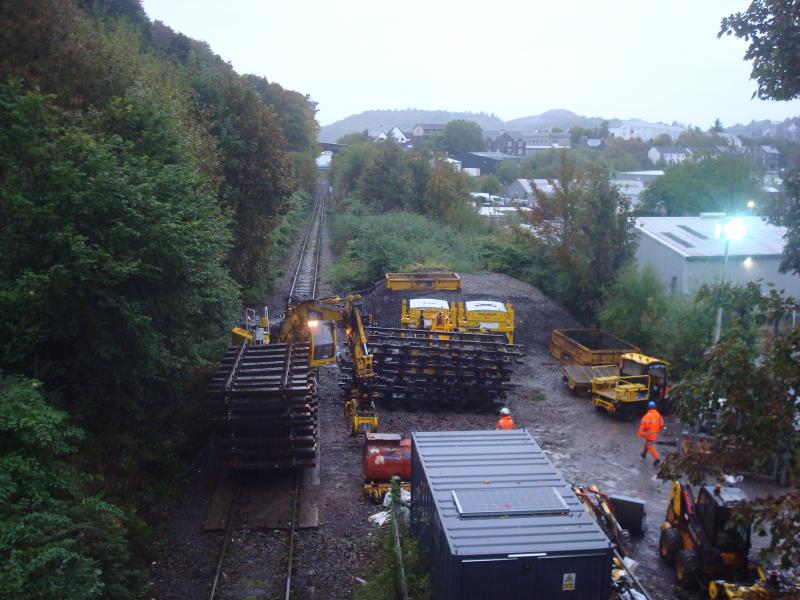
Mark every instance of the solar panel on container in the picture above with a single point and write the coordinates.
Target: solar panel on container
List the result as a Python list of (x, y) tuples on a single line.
[(509, 501)]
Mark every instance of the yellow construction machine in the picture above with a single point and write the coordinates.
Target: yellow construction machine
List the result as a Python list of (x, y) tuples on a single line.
[(475, 316), (424, 280), (314, 322), (639, 380), (485, 316), (427, 313)]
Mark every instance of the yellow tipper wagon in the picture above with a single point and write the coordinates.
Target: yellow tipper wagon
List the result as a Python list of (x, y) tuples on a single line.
[(425, 280)]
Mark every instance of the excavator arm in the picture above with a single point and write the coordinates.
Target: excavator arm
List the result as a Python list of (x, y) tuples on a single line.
[(315, 321)]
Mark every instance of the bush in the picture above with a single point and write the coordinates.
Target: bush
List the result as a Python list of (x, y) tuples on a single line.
[(635, 307), (371, 245), (56, 541)]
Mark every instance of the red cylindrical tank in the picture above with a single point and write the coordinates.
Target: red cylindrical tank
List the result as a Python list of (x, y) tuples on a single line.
[(386, 455)]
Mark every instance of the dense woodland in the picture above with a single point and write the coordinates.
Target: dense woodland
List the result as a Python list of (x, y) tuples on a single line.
[(147, 190)]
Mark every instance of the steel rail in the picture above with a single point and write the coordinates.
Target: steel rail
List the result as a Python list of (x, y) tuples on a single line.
[(316, 220), (292, 528), (228, 529)]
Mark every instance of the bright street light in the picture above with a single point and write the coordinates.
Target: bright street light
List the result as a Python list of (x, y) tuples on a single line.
[(751, 204), (734, 230)]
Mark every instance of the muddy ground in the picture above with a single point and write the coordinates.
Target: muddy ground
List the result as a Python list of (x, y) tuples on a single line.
[(588, 447)]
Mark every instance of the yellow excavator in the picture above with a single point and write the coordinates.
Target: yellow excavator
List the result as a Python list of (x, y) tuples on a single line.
[(314, 322)]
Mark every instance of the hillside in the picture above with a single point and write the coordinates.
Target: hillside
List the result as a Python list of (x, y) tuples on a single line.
[(404, 119), (561, 118)]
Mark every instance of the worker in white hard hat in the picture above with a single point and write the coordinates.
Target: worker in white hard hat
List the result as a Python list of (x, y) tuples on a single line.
[(505, 422)]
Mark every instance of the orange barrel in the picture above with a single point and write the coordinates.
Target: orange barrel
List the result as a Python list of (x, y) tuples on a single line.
[(386, 455)]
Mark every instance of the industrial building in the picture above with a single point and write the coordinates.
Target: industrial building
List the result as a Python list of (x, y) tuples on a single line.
[(688, 252), (496, 520)]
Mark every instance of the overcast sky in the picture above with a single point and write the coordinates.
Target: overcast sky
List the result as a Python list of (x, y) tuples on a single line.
[(659, 61)]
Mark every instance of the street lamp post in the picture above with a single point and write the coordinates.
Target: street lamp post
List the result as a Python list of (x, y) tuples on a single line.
[(732, 230)]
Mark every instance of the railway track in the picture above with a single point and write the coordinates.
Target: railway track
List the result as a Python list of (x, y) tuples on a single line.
[(264, 403), (306, 276)]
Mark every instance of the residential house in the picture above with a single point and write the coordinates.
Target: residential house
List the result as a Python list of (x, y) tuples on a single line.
[(507, 142), (538, 141), (395, 132), (766, 157), (485, 162), (424, 131), (686, 253), (670, 155), (636, 128)]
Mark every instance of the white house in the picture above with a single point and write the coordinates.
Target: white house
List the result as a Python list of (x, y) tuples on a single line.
[(686, 253), (636, 128), (671, 155), (395, 132)]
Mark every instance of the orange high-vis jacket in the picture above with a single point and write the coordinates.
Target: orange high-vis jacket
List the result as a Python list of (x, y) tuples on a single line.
[(505, 422), (650, 425)]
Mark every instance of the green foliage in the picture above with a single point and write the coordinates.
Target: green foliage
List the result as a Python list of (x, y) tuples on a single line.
[(462, 136), (369, 245), (581, 235), (385, 183), (383, 580), (488, 184), (348, 166), (351, 139), (547, 163), (635, 304), (508, 171), (745, 394), (712, 184), (294, 111), (109, 241), (672, 327), (447, 193), (787, 214), (770, 27), (55, 540)]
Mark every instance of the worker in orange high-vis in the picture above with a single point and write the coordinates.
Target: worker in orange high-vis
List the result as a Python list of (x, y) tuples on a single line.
[(505, 422), (652, 422)]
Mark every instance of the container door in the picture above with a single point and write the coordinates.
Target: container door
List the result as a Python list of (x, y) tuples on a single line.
[(488, 579), (582, 577)]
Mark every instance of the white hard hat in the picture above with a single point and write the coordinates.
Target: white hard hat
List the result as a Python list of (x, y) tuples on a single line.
[(505, 411)]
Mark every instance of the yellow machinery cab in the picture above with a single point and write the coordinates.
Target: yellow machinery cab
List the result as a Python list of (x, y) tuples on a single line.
[(426, 313), (486, 316), (641, 379)]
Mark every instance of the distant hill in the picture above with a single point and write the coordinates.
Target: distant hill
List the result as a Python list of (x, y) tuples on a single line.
[(563, 119), (404, 119)]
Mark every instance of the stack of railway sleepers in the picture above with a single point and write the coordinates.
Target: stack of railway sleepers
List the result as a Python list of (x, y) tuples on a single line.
[(417, 368), (263, 403)]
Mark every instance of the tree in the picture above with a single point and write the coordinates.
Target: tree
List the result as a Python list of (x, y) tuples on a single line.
[(348, 165), (488, 184), (582, 234), (462, 136), (111, 239), (352, 139), (385, 183), (754, 428), (770, 26), (722, 183), (56, 540), (508, 171), (717, 127), (446, 193), (634, 306)]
